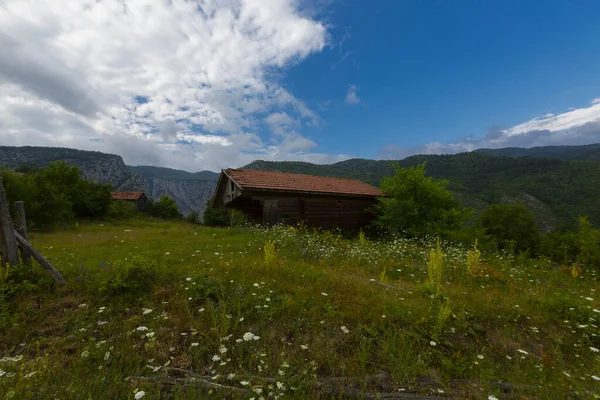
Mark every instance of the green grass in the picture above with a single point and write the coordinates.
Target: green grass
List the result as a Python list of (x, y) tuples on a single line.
[(146, 300)]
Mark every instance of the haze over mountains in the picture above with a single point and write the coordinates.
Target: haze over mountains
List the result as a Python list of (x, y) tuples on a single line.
[(558, 183)]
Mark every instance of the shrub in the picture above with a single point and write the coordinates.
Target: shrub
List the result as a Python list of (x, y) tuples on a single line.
[(223, 217), (165, 208), (56, 194), (589, 244), (129, 276), (561, 246), (193, 217), (419, 205), (511, 226), (121, 209)]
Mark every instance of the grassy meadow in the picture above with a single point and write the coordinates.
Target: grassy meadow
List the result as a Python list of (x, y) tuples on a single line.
[(173, 310)]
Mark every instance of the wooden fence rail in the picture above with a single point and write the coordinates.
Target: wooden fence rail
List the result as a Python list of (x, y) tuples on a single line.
[(9, 237)]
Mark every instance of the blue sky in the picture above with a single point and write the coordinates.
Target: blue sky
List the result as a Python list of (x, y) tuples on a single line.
[(203, 84), (436, 71)]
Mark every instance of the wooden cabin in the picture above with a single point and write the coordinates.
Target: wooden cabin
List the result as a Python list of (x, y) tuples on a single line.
[(275, 197), (139, 199)]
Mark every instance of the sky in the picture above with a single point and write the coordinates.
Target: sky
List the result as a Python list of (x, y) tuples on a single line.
[(205, 85)]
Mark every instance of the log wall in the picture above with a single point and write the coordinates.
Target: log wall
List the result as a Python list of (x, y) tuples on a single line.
[(322, 211)]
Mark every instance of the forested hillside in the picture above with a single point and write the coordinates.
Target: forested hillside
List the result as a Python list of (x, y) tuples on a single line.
[(556, 190), (590, 152)]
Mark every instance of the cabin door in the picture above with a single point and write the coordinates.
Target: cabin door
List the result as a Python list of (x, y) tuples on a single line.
[(270, 212)]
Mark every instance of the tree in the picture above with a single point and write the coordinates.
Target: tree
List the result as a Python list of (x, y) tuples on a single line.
[(165, 208), (419, 205), (512, 226)]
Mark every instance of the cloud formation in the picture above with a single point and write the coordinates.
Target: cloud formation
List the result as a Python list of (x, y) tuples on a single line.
[(351, 96), (185, 84), (574, 127)]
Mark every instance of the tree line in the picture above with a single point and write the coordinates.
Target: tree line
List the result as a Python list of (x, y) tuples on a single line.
[(419, 205), (59, 194)]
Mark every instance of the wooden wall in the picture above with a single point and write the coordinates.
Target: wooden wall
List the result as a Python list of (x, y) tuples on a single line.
[(347, 213)]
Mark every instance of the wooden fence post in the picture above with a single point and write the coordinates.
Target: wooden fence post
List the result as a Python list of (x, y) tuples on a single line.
[(40, 258), (10, 253), (21, 227)]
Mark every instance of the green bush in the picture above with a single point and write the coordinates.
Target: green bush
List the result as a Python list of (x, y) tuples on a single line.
[(223, 217), (511, 226), (165, 208), (561, 246), (193, 217), (419, 205), (589, 244), (129, 276), (121, 209), (56, 194)]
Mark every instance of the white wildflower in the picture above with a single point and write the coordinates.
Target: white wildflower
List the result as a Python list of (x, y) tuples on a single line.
[(522, 351), (595, 350), (344, 329), (139, 395), (85, 354), (304, 347), (106, 356), (188, 279), (141, 328), (594, 377), (167, 254), (324, 294), (432, 343), (216, 357), (492, 397), (250, 336), (147, 310), (244, 383), (195, 344)]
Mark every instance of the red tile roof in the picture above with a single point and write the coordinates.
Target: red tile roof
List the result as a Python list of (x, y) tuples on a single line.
[(266, 180), (126, 195)]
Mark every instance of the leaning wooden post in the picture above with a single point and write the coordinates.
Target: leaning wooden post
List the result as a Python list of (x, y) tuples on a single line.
[(39, 258), (10, 253), (21, 227)]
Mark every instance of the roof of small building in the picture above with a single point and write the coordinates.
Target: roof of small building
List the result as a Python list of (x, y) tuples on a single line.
[(281, 181), (126, 195)]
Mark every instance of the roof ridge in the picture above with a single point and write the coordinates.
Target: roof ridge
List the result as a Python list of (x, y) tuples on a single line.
[(295, 173)]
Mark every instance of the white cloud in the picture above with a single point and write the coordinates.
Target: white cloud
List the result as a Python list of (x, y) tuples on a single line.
[(179, 83), (351, 96), (574, 127), (596, 101)]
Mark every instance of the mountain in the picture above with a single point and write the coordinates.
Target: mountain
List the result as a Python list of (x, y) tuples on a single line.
[(95, 166), (190, 191), (590, 152), (173, 174), (555, 190)]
